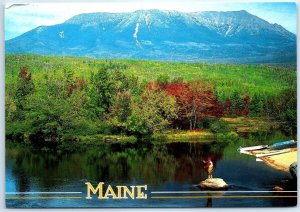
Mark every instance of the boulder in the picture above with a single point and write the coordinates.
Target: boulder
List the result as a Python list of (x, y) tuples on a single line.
[(277, 188), (214, 184), (293, 170)]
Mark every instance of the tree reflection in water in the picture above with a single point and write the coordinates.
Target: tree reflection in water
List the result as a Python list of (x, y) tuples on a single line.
[(163, 167), (151, 164)]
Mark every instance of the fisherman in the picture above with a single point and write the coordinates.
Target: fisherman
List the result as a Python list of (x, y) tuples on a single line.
[(209, 166)]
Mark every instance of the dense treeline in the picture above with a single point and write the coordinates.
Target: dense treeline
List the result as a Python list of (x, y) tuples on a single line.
[(57, 106)]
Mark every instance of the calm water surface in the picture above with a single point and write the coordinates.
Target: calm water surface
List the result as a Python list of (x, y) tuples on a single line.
[(167, 167)]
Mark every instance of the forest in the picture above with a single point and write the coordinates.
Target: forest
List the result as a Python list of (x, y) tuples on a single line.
[(52, 101)]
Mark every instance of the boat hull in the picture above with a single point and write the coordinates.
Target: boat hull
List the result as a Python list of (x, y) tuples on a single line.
[(241, 149), (284, 145), (272, 153)]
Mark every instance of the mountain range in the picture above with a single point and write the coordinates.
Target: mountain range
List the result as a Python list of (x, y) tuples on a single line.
[(233, 36)]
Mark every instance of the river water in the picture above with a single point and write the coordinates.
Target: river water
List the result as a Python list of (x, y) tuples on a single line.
[(176, 168)]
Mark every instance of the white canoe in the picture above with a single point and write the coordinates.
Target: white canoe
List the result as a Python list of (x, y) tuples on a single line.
[(245, 152), (273, 153), (250, 148)]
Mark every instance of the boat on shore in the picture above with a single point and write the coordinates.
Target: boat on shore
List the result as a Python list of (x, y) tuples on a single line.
[(251, 148), (281, 155), (271, 153), (276, 146), (284, 145)]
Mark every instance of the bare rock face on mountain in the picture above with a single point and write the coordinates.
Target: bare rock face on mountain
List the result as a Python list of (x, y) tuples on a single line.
[(235, 36), (214, 184)]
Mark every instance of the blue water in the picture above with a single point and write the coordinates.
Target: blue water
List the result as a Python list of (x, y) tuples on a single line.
[(172, 167)]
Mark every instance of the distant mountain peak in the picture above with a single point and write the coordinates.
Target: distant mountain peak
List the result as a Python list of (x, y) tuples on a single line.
[(235, 36)]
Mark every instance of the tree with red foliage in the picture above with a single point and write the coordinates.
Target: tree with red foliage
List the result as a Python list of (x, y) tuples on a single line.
[(183, 95), (24, 74), (195, 100), (227, 106), (154, 85), (25, 85), (246, 101), (218, 110)]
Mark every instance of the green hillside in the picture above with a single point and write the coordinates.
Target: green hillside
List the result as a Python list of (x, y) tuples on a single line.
[(51, 101), (262, 80)]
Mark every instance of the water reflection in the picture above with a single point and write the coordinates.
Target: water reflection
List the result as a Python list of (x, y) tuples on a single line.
[(113, 163), (173, 166), (211, 195), (209, 202)]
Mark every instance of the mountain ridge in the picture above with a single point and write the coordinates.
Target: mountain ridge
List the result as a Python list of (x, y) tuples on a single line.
[(232, 36)]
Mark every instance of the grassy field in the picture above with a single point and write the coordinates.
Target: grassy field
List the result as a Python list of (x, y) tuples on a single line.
[(261, 80), (250, 124)]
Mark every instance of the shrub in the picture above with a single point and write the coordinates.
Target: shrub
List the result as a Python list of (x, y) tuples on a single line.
[(233, 136), (219, 127)]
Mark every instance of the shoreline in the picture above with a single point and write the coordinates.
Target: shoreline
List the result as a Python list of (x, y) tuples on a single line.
[(283, 161), (279, 162)]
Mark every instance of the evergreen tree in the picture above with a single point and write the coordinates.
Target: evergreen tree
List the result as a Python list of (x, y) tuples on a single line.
[(24, 88)]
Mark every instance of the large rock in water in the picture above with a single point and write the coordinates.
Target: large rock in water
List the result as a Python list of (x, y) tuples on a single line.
[(214, 184)]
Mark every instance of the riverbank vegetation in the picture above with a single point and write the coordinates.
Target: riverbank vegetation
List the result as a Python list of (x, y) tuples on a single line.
[(54, 101)]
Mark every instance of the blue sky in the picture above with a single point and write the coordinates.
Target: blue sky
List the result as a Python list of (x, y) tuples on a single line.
[(24, 18)]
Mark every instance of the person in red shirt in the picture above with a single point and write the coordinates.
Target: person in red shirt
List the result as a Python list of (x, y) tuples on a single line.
[(209, 166)]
